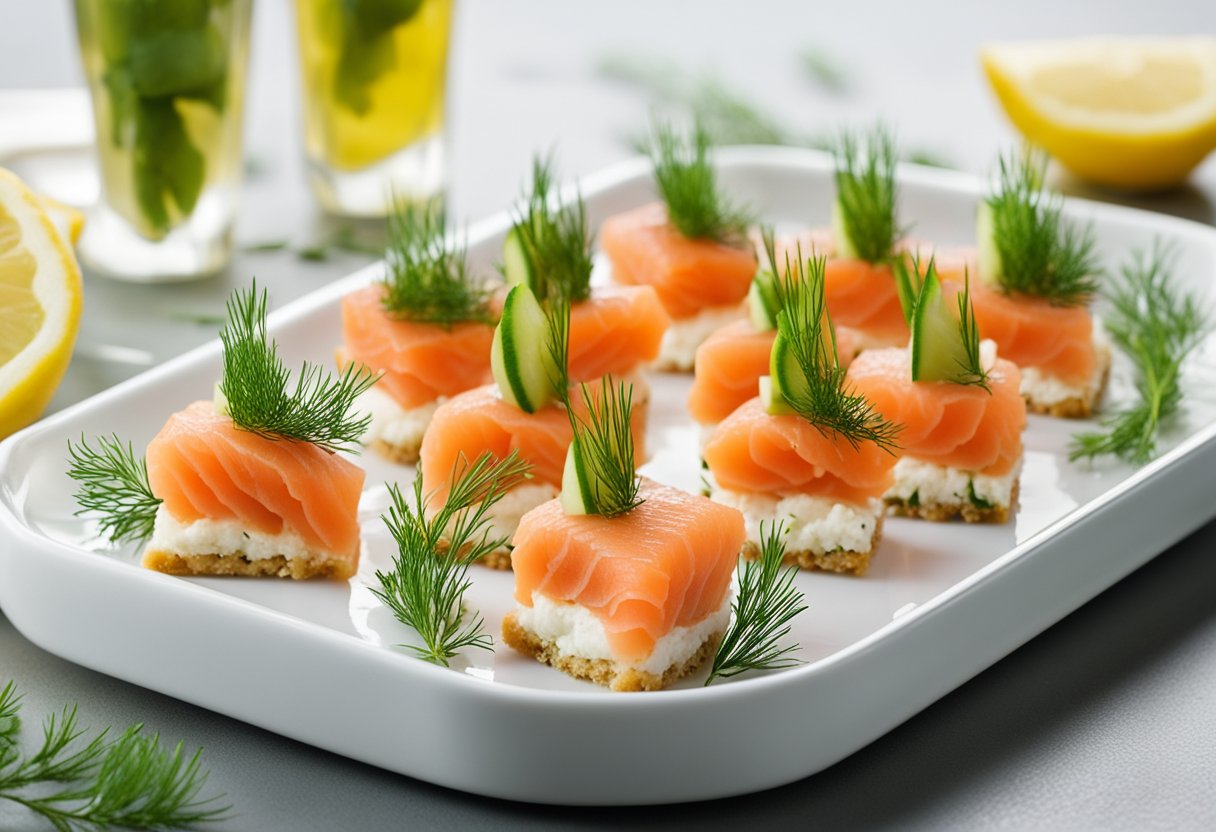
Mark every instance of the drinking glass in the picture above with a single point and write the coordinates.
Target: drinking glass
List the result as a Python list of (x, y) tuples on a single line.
[(167, 79), (374, 74)]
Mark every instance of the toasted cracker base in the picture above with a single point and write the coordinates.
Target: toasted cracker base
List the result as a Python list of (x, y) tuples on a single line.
[(604, 672), (278, 566), (668, 364), (843, 561), (941, 512), (401, 454), (498, 559), (1077, 407)]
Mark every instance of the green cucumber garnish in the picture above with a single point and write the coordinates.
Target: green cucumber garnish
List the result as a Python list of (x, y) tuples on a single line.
[(763, 302), (519, 357), (516, 264), (989, 260), (577, 495), (938, 354), (845, 248)]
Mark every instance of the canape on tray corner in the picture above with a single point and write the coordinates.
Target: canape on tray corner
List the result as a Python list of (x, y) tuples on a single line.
[(692, 248)]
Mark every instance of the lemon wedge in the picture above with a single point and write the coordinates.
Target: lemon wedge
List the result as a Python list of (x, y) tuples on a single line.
[(40, 298), (1131, 113)]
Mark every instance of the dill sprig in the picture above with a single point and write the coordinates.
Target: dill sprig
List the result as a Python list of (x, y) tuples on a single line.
[(557, 343), (1040, 255), (555, 238), (688, 184), (603, 440), (113, 484), (426, 586), (428, 277), (766, 602), (255, 385), (866, 192), (918, 286), (1157, 325), (823, 399), (971, 369), (129, 781)]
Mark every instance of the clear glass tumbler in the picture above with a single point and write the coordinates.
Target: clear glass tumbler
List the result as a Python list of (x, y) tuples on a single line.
[(374, 75), (167, 79)]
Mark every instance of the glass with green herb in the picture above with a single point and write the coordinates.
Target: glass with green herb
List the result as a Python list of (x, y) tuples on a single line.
[(167, 80)]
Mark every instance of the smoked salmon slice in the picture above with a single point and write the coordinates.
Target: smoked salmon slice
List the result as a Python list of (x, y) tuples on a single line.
[(953, 425), (689, 276), (614, 331), (204, 469), (418, 362), (663, 568), (730, 363)]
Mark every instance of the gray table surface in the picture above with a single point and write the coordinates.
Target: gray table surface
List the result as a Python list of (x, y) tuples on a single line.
[(1106, 721)]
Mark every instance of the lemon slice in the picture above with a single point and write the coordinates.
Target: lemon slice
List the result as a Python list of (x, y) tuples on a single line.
[(40, 298), (1128, 112)]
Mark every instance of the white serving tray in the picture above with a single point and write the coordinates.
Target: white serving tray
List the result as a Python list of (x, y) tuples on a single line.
[(317, 662)]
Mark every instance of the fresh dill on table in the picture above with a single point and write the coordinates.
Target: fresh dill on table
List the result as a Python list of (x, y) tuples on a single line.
[(1157, 325), (126, 780), (427, 275), (603, 440), (426, 586), (1040, 255), (823, 398), (113, 484), (687, 182), (866, 192), (255, 385), (765, 603), (555, 239)]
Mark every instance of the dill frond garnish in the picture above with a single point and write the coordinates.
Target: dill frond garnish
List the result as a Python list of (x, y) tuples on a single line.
[(426, 586), (1157, 325), (688, 184), (113, 484), (127, 781), (1040, 255), (971, 370), (555, 239), (255, 385), (603, 441), (766, 602), (823, 398), (428, 277), (866, 192), (557, 343)]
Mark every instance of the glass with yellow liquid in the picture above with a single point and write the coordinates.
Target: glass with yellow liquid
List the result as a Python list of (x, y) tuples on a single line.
[(374, 73), (167, 79)]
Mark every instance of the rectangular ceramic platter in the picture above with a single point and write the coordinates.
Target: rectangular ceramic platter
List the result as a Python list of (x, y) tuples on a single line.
[(318, 661)]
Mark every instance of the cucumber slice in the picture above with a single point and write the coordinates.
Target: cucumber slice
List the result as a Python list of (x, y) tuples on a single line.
[(840, 231), (907, 284), (516, 265), (774, 403), (219, 401), (519, 356), (786, 375), (576, 496), (762, 305), (938, 353), (989, 260)]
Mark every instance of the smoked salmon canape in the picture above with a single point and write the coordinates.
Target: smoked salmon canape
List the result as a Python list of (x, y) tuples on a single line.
[(731, 361), (425, 327), (808, 452), (692, 247), (960, 406), (1036, 278), (863, 242), (250, 483), (620, 580), (529, 409)]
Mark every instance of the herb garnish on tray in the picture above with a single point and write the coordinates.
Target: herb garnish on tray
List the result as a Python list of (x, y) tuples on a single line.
[(426, 586), (113, 484), (428, 277), (1157, 325), (688, 184)]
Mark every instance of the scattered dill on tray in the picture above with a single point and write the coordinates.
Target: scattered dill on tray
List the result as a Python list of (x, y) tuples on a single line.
[(113, 484), (109, 780), (555, 239), (687, 182), (1039, 254), (866, 192), (427, 275), (822, 396), (426, 586), (1157, 325), (255, 385), (766, 601), (603, 442)]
